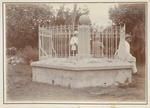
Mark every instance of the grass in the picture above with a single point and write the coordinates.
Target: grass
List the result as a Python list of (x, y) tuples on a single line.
[(21, 88)]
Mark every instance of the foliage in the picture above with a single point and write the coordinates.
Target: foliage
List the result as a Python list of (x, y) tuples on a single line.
[(66, 16), (133, 16), (22, 21), (129, 14), (29, 54)]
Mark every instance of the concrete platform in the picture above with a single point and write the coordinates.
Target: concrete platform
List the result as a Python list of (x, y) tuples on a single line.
[(81, 73)]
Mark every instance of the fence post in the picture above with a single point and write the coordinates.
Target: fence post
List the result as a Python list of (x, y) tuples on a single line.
[(121, 49), (102, 44), (116, 37), (39, 35), (69, 32)]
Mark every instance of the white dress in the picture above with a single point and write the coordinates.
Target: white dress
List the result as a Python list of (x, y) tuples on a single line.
[(73, 43), (123, 53)]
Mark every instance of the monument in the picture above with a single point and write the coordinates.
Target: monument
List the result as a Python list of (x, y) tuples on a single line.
[(84, 36), (86, 71)]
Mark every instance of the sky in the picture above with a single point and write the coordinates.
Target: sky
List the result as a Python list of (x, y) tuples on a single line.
[(99, 14)]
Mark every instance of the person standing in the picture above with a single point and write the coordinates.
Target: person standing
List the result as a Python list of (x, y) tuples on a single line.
[(123, 52), (74, 43), (130, 57)]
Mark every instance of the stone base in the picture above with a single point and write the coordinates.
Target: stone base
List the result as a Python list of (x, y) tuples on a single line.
[(90, 74)]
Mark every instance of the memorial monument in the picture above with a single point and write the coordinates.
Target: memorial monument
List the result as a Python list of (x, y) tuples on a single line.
[(86, 71)]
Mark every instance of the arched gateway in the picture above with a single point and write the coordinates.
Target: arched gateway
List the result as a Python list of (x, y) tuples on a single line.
[(92, 62)]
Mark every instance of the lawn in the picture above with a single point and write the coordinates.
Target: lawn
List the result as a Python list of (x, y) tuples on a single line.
[(21, 88)]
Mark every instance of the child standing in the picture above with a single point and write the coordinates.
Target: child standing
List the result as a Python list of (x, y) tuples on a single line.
[(74, 43)]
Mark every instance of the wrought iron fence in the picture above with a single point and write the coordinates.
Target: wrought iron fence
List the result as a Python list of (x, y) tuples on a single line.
[(54, 41)]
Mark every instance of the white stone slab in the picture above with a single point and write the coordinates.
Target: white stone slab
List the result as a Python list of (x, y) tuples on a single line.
[(90, 74)]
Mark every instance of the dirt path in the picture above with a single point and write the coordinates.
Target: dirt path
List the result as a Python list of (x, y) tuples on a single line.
[(21, 88)]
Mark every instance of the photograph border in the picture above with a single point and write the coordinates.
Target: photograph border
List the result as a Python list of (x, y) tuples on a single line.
[(78, 103)]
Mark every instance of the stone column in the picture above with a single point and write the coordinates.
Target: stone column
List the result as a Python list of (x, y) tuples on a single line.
[(84, 36), (84, 41)]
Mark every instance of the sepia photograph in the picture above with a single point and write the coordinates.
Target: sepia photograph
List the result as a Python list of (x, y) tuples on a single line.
[(75, 52)]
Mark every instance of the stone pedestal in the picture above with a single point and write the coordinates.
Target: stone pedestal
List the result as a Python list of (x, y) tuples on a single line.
[(72, 75), (84, 41)]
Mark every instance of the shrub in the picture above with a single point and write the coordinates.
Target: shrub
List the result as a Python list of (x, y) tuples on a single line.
[(30, 54), (11, 51)]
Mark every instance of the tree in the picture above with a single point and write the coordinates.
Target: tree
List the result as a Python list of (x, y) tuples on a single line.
[(66, 16), (133, 16), (22, 23)]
